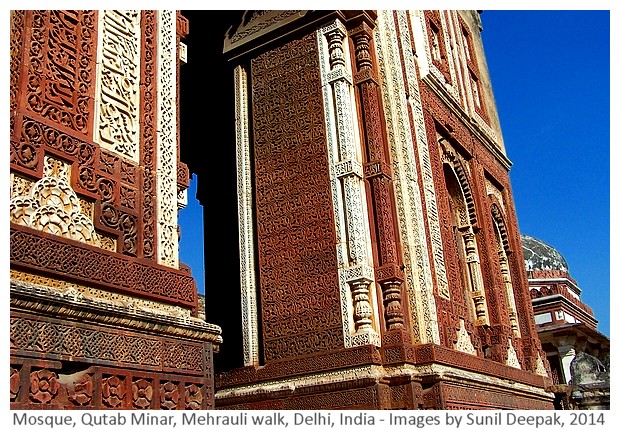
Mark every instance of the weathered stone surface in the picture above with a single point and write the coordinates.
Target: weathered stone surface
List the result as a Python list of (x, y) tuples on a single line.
[(541, 256)]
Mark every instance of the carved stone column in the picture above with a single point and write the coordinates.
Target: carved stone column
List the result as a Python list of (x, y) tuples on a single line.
[(473, 263), (377, 173), (347, 169)]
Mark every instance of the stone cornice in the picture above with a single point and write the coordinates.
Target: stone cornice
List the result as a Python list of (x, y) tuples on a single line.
[(471, 125), (73, 305)]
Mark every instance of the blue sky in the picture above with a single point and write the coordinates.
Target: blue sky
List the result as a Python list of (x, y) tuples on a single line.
[(550, 76)]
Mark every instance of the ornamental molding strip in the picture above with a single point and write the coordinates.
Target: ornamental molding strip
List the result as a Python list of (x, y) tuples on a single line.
[(98, 294), (297, 383), (248, 276), (353, 249), (422, 309), (168, 240), (71, 303), (417, 113)]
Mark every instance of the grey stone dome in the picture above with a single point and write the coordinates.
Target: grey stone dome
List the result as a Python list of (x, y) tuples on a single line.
[(540, 256)]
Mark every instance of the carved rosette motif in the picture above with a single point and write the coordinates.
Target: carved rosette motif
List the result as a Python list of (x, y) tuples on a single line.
[(118, 80), (346, 175), (169, 395), (193, 396), (167, 243), (113, 391), (44, 386), (419, 282), (14, 383), (80, 393), (142, 393)]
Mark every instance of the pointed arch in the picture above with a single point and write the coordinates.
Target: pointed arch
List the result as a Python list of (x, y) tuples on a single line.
[(464, 218), (503, 251), (456, 163)]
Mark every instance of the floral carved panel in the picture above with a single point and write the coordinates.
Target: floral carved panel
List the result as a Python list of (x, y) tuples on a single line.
[(61, 65), (295, 233)]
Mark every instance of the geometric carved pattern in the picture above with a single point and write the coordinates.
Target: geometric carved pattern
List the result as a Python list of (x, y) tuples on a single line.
[(18, 22), (167, 246), (148, 130), (415, 104), (419, 278), (60, 64), (118, 82), (96, 174), (294, 225), (86, 344), (118, 272), (344, 154)]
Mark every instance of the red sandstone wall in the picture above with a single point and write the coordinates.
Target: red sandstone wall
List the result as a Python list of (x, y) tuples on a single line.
[(53, 79), (299, 294)]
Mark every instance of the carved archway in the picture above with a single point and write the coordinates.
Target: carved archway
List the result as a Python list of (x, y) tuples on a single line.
[(463, 219)]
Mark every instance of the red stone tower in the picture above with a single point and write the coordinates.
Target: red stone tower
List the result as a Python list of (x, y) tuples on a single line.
[(381, 262), (103, 314)]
